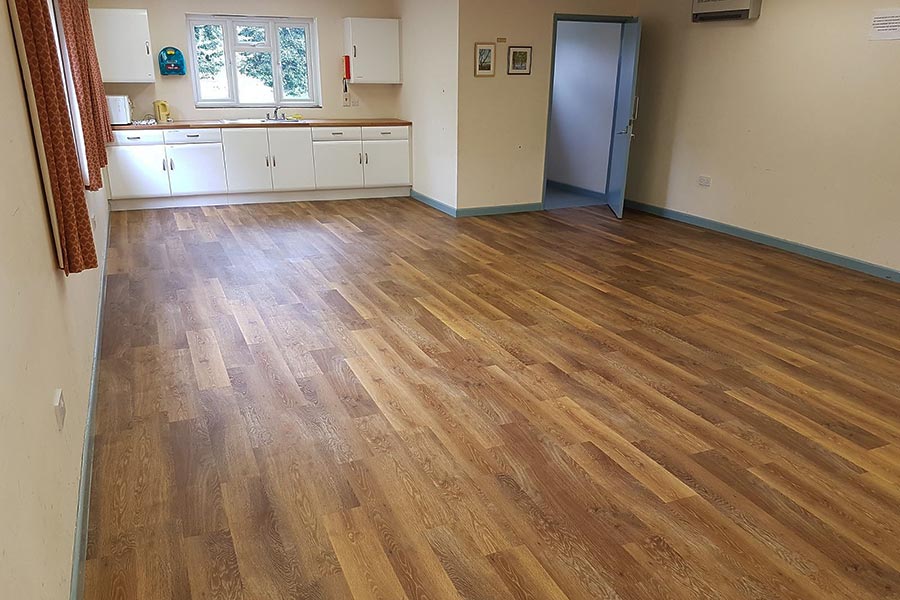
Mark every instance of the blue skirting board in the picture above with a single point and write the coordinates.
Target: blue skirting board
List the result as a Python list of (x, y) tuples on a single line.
[(79, 554), (482, 211), (768, 240)]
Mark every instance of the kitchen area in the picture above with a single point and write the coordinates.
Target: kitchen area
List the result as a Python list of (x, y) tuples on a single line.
[(252, 130)]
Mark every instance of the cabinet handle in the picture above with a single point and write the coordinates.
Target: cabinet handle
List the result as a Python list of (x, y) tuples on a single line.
[(147, 45), (267, 161), (165, 168), (337, 133), (193, 135), (360, 158), (171, 164), (367, 158), (274, 164), (133, 137), (385, 133), (354, 50)]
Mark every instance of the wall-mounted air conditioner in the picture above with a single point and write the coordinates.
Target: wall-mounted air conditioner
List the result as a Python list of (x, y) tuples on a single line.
[(726, 10)]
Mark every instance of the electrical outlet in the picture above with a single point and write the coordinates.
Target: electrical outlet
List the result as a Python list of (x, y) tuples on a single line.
[(346, 99), (704, 181), (59, 407)]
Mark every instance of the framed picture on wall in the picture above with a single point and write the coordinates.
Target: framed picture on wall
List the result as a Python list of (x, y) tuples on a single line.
[(485, 57), (519, 62)]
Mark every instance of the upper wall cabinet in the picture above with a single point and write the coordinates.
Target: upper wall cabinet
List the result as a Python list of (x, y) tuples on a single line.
[(373, 46), (122, 37)]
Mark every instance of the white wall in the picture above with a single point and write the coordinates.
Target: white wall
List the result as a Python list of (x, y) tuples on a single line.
[(430, 94), (584, 101), (168, 28), (47, 334), (503, 119), (795, 117)]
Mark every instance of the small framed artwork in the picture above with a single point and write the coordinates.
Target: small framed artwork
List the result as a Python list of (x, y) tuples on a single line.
[(485, 57), (519, 60)]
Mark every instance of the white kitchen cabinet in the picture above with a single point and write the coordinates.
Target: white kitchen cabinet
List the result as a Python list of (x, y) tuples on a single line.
[(196, 169), (373, 46), (157, 164), (122, 39), (248, 164), (386, 163), (291, 150), (138, 171), (339, 165)]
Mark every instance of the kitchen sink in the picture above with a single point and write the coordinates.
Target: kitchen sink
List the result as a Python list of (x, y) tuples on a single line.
[(240, 121)]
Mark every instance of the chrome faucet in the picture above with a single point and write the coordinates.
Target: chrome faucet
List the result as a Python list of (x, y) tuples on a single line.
[(275, 116)]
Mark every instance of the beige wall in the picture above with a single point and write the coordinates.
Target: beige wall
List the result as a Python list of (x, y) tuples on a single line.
[(47, 333), (430, 93), (794, 117), (168, 27), (503, 119)]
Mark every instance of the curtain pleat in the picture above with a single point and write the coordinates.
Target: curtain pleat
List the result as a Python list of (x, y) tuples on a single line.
[(58, 142), (88, 84)]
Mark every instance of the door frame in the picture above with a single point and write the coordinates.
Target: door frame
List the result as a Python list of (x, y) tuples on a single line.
[(557, 17)]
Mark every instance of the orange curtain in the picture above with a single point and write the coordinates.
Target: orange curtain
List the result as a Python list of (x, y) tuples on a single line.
[(57, 139), (85, 68)]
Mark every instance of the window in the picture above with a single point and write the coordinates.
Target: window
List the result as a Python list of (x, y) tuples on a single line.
[(254, 61)]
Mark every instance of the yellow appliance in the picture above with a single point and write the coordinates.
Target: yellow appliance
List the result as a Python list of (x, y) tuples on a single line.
[(163, 113)]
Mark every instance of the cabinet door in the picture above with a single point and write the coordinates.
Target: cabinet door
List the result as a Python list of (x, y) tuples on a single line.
[(196, 169), (138, 171), (374, 49), (247, 161), (387, 163), (338, 165), (292, 159), (122, 39)]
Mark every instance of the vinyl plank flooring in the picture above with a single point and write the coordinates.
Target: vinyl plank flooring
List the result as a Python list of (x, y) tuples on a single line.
[(370, 400)]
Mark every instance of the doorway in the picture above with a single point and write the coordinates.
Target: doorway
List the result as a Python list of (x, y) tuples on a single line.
[(592, 111)]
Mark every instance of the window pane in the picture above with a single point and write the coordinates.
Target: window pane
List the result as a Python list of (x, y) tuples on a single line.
[(209, 47), (251, 34), (256, 82), (294, 63)]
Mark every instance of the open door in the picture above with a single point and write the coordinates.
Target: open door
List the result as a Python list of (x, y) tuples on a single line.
[(626, 113)]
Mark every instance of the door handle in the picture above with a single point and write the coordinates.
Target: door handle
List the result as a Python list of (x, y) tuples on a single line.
[(367, 158), (147, 45), (274, 164), (165, 168), (360, 158), (354, 50), (171, 164), (267, 161)]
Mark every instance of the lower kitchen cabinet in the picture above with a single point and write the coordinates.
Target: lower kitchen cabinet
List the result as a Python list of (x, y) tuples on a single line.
[(152, 163), (248, 164), (339, 165), (138, 171), (196, 169), (386, 163), (292, 159)]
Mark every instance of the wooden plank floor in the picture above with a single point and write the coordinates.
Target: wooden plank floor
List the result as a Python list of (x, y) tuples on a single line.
[(371, 400)]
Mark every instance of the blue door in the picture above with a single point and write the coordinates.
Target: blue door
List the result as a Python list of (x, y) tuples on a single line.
[(626, 113)]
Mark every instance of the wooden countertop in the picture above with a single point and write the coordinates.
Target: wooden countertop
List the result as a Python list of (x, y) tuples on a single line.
[(245, 123)]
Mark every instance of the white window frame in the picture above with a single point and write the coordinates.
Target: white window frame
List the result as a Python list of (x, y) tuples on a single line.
[(229, 24)]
